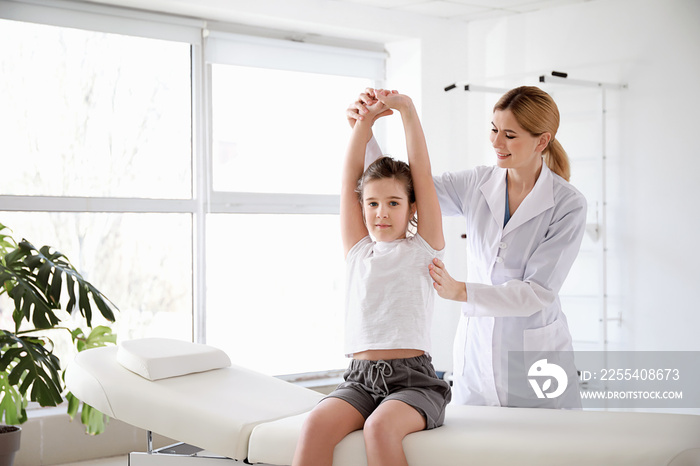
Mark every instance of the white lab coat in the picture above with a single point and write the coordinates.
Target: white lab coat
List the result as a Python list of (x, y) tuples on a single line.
[(514, 277)]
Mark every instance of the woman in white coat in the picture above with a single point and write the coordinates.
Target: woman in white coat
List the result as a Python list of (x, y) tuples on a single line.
[(524, 225)]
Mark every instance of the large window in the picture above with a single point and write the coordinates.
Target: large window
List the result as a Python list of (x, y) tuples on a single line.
[(193, 181), (275, 269), (96, 152)]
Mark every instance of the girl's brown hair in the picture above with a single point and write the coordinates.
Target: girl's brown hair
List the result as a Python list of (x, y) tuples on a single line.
[(537, 113)]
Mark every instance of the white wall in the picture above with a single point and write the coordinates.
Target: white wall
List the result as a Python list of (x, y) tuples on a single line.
[(653, 46)]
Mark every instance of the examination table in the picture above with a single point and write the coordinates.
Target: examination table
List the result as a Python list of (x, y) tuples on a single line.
[(192, 393)]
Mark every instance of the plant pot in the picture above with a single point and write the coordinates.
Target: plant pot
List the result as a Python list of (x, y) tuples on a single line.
[(9, 444)]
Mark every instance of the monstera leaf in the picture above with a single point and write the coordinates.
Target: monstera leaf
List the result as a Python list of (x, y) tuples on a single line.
[(12, 404), (28, 364), (34, 279)]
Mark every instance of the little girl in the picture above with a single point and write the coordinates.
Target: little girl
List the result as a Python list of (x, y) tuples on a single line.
[(390, 388)]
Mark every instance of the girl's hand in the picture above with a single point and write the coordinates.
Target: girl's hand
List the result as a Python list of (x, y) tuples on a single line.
[(393, 99), (358, 110), (446, 286), (375, 110)]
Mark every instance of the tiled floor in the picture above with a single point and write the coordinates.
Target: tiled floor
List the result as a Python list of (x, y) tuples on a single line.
[(113, 461)]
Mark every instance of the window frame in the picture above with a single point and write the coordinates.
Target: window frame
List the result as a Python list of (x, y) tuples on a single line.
[(108, 19), (204, 199)]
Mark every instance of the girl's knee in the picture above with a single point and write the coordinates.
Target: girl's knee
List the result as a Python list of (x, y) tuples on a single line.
[(317, 423), (324, 425), (382, 429), (393, 425)]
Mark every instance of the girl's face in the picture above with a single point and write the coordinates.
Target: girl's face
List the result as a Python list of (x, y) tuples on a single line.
[(386, 209), (515, 147)]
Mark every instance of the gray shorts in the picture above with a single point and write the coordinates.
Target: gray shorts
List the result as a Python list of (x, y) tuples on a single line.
[(413, 381)]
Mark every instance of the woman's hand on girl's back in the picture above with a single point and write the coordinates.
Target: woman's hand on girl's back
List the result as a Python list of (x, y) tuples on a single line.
[(446, 286)]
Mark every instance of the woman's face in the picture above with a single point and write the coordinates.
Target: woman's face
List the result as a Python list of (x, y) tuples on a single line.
[(515, 147)]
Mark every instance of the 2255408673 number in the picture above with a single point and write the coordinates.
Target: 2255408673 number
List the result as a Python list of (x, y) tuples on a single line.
[(639, 374)]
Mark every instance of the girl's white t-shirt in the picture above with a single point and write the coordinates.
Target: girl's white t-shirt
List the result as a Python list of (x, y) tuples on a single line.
[(390, 296)]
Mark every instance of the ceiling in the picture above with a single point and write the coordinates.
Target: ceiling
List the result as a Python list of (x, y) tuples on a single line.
[(465, 10)]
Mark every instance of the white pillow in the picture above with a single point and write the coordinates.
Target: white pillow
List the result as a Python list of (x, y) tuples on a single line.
[(160, 358)]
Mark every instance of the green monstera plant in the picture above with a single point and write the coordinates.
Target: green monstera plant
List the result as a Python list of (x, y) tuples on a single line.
[(45, 290)]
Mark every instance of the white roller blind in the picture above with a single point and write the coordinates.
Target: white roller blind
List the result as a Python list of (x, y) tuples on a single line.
[(260, 52), (103, 18)]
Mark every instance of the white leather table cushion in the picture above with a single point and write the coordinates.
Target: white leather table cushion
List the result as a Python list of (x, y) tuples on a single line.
[(214, 410), (484, 436), (160, 358)]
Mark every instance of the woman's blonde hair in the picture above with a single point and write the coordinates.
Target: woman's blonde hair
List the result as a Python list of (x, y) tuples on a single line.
[(537, 113)]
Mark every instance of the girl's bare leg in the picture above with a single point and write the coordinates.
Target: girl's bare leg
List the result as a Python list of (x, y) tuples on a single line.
[(385, 429), (327, 424)]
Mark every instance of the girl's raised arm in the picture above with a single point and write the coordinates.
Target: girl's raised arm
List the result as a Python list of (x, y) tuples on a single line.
[(427, 204), (352, 224)]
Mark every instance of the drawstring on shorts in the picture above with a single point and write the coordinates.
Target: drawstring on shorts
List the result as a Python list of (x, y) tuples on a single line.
[(377, 370)]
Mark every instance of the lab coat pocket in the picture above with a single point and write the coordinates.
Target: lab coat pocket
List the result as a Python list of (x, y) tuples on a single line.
[(551, 337)]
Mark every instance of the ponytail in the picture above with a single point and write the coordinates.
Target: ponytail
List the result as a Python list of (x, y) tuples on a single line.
[(556, 159), (537, 113)]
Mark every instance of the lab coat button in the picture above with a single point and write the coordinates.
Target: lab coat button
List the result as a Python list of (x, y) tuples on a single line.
[(499, 260), (503, 245)]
